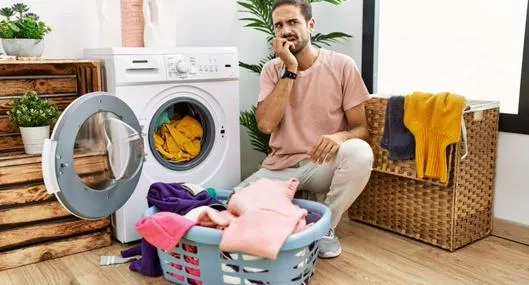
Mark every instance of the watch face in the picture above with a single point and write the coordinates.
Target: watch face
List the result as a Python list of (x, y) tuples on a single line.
[(287, 74)]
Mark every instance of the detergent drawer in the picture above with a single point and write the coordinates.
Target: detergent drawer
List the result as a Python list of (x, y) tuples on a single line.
[(138, 68)]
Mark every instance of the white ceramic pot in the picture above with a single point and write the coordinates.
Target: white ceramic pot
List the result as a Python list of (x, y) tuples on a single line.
[(23, 47), (33, 138)]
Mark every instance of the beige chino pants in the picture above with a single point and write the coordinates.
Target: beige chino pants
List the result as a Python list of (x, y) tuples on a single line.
[(336, 183)]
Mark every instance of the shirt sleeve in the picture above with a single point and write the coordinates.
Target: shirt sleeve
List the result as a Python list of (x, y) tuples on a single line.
[(354, 89), (267, 81)]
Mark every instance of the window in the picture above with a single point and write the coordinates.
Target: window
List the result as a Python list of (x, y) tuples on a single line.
[(473, 48)]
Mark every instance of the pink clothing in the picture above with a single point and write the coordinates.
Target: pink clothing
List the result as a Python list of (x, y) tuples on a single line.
[(163, 229), (266, 217), (207, 217), (319, 97)]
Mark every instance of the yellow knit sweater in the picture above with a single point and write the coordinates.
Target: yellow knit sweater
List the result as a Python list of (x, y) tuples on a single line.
[(435, 122)]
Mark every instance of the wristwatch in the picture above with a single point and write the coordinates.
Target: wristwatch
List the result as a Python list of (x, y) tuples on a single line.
[(288, 74)]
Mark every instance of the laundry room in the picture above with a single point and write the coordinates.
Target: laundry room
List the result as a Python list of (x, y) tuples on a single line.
[(172, 142)]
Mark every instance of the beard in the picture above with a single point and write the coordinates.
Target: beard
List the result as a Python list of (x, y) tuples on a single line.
[(299, 44)]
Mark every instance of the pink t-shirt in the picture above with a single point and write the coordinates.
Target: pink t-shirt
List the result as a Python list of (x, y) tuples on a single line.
[(320, 96)]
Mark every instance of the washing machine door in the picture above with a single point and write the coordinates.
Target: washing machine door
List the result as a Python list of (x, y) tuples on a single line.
[(93, 160)]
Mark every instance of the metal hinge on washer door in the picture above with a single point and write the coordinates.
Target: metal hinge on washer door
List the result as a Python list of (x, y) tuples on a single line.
[(143, 133), (48, 166), (142, 127)]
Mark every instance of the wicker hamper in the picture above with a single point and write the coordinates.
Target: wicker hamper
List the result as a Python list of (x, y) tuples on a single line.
[(446, 215)]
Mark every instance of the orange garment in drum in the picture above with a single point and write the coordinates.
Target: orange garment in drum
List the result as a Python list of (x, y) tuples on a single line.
[(179, 140)]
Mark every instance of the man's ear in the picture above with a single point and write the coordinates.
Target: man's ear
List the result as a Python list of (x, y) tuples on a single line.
[(312, 25)]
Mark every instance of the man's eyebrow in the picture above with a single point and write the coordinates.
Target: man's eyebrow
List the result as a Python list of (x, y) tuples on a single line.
[(291, 19)]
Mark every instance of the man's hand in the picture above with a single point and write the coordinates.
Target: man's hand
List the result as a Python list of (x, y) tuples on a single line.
[(326, 148), (282, 49)]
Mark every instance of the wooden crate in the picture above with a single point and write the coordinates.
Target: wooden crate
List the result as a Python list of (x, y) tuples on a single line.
[(60, 81), (33, 225)]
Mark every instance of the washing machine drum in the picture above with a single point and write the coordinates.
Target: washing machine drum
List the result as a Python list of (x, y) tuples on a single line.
[(93, 160)]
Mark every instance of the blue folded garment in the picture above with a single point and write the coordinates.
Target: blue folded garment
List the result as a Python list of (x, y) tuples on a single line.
[(397, 139)]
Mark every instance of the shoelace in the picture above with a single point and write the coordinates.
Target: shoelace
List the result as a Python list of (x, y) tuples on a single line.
[(329, 235)]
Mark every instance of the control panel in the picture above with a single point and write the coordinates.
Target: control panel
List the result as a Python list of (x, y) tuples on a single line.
[(201, 66)]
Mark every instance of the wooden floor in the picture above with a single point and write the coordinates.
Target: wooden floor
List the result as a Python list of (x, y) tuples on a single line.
[(371, 256)]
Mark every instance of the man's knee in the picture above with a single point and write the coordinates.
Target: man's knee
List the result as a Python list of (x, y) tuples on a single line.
[(355, 154)]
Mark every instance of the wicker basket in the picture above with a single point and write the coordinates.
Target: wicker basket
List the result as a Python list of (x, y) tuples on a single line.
[(447, 215)]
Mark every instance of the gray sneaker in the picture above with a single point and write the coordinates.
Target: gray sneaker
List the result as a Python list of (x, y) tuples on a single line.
[(329, 246)]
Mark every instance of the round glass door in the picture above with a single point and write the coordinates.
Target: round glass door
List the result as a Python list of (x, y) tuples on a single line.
[(93, 160), (107, 151)]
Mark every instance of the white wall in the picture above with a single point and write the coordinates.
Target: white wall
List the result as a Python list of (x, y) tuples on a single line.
[(512, 172)]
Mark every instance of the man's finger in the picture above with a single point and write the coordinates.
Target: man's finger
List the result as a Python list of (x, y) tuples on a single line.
[(333, 152), (288, 45), (324, 146), (327, 151)]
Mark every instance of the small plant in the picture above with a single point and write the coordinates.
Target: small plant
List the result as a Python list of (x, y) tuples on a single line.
[(33, 111), (19, 24)]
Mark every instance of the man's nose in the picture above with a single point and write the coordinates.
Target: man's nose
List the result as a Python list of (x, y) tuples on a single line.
[(285, 31)]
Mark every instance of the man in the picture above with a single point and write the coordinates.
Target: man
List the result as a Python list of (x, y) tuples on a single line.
[(311, 102)]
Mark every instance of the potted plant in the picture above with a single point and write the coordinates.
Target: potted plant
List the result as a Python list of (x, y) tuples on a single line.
[(33, 115), (22, 33)]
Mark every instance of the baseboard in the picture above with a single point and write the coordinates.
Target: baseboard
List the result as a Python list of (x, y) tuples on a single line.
[(511, 231)]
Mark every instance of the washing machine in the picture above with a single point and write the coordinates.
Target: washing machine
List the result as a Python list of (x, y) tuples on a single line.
[(135, 136)]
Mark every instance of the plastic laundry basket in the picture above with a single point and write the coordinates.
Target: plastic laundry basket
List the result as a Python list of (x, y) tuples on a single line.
[(197, 259)]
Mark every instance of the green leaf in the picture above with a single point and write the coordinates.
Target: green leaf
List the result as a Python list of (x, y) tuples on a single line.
[(252, 67), (258, 140), (328, 39), (13, 27), (7, 12)]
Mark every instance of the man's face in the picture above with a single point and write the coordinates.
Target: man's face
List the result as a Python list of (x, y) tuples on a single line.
[(290, 24)]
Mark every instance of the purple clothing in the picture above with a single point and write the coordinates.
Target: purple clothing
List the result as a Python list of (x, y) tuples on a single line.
[(170, 197), (148, 264), (312, 217)]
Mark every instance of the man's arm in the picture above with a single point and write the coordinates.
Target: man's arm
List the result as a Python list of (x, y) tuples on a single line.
[(327, 147), (357, 121), (270, 112)]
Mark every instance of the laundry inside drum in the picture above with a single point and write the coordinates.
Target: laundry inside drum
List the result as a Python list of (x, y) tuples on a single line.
[(181, 133)]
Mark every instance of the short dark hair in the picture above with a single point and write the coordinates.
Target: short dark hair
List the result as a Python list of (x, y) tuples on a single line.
[(303, 5)]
